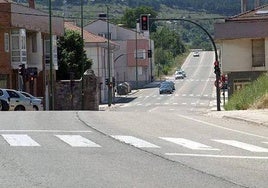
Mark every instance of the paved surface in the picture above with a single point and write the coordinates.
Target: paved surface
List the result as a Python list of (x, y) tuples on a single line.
[(259, 117)]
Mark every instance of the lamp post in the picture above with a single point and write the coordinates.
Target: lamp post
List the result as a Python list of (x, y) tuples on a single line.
[(136, 58), (109, 61), (51, 98), (82, 36)]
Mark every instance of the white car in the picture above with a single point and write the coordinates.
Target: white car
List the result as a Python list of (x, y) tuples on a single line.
[(16, 101), (196, 54), (37, 102)]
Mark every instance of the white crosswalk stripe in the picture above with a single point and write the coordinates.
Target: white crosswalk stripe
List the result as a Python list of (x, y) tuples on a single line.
[(19, 140), (242, 145), (77, 141), (135, 141), (188, 143)]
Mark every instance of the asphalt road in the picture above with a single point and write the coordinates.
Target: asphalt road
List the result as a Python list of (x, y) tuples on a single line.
[(151, 141)]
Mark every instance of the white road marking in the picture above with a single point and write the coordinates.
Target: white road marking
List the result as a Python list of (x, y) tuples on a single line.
[(19, 140), (221, 127), (216, 156), (48, 131), (242, 145), (188, 143), (135, 141), (265, 142), (77, 141)]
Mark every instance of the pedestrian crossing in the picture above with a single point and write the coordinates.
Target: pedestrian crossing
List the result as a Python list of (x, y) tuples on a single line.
[(75, 140)]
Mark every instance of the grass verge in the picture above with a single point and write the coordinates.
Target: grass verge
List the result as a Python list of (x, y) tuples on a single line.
[(253, 96)]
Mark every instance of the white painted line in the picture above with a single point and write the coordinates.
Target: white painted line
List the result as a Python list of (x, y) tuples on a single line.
[(242, 145), (216, 156), (77, 141), (221, 127), (175, 103), (48, 131), (265, 142), (135, 141), (184, 103), (19, 140), (188, 143)]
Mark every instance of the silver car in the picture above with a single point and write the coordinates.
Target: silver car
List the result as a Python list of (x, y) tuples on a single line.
[(16, 101), (37, 102)]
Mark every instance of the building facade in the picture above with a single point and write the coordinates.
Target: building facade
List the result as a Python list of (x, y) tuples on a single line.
[(25, 44), (243, 46), (137, 71)]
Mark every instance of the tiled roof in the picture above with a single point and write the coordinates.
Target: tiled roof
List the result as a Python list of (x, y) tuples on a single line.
[(5, 1), (259, 13), (88, 37)]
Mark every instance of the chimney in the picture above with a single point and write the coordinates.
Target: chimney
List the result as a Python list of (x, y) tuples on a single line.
[(243, 6), (31, 3)]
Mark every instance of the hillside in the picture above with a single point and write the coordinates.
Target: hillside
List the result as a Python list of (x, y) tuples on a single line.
[(222, 7)]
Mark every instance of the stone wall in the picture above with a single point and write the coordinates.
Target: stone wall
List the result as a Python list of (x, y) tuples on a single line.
[(68, 94)]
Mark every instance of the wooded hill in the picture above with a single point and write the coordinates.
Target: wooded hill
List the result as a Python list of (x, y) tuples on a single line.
[(222, 7)]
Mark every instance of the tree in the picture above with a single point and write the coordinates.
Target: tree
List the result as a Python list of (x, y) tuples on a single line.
[(71, 56), (130, 16)]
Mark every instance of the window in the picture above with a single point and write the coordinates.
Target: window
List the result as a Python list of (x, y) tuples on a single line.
[(34, 43), (258, 53), (105, 35), (3, 80), (140, 54), (6, 42), (18, 46)]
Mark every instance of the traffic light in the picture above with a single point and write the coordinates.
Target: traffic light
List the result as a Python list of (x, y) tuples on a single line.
[(149, 53), (107, 81), (21, 69), (217, 70), (113, 81), (144, 20)]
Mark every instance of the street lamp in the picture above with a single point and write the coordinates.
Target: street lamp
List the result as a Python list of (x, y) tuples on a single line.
[(82, 36), (51, 98)]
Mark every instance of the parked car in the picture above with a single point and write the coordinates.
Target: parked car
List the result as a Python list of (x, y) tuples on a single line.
[(16, 101), (4, 103), (37, 102), (165, 89)]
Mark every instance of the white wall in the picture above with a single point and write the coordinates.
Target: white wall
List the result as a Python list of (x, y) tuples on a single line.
[(236, 55)]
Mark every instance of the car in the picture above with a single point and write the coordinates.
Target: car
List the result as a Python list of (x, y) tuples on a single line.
[(179, 75), (165, 89), (15, 100), (169, 83), (4, 103), (181, 71), (37, 102), (196, 54)]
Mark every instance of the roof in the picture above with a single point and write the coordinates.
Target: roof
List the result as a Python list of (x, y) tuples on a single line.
[(259, 13), (88, 37)]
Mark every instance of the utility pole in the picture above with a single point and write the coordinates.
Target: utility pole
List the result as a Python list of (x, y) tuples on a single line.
[(82, 36), (109, 62), (51, 97)]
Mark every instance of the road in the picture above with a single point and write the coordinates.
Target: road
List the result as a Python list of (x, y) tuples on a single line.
[(137, 144), (194, 93)]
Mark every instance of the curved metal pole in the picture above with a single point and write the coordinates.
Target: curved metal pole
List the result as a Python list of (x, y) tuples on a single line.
[(215, 50)]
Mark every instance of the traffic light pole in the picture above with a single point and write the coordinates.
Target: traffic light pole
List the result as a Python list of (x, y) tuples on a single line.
[(218, 77)]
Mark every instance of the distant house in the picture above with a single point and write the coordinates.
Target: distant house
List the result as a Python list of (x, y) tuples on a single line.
[(25, 40), (243, 46), (137, 71), (96, 48)]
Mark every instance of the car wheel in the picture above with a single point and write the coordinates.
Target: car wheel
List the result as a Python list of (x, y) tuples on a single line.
[(4, 106), (35, 108), (19, 108)]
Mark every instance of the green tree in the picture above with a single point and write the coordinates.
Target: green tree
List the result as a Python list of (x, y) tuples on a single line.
[(129, 19), (71, 56)]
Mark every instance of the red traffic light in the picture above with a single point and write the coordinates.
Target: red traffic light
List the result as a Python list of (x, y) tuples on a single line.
[(144, 22)]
